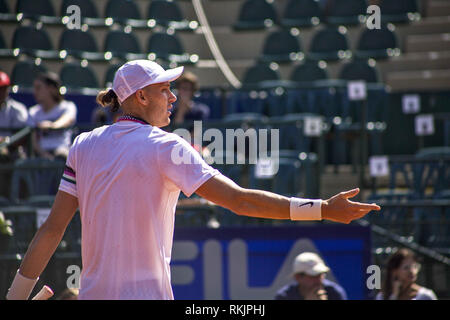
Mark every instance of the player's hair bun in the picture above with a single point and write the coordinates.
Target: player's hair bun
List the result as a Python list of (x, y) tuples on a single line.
[(108, 98)]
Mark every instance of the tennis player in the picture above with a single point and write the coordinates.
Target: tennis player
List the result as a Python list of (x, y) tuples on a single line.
[(123, 179)]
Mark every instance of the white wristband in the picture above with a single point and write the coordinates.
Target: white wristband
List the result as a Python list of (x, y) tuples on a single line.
[(21, 287), (305, 209)]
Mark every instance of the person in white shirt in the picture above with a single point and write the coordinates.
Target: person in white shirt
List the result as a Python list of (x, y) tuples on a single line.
[(53, 116), (126, 183)]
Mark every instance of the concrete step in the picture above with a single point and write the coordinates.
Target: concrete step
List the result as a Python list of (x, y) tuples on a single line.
[(437, 8), (427, 43), (418, 80), (416, 61)]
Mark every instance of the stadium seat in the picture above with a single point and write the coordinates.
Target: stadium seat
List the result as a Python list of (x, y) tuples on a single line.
[(286, 181), (281, 46), (33, 41), (4, 8), (301, 13), (40, 10), (76, 77), (168, 14), (122, 11), (87, 7), (4, 50), (123, 45), (308, 72), (167, 47), (399, 11), (258, 74), (346, 12), (256, 14), (24, 73), (329, 44), (41, 181), (109, 76), (5, 12), (80, 44), (377, 44), (24, 227), (359, 70)]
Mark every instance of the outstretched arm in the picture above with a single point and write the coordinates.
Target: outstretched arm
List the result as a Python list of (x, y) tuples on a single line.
[(263, 204), (43, 245)]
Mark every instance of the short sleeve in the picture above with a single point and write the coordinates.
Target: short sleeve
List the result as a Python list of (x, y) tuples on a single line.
[(183, 165), (68, 180)]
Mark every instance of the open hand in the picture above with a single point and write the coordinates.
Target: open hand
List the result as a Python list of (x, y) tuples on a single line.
[(340, 209)]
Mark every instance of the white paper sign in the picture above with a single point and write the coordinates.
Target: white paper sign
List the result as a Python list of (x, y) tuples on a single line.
[(357, 90), (424, 125), (411, 103), (379, 166), (41, 215), (312, 126), (264, 168)]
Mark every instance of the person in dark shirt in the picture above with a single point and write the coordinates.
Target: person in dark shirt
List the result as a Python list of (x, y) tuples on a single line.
[(310, 283), (185, 108)]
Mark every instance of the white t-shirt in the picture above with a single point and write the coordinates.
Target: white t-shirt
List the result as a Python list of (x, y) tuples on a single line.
[(13, 115), (53, 139), (127, 186), (422, 294)]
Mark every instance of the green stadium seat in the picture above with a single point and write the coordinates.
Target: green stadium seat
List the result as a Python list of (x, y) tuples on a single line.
[(40, 10), (5, 12), (169, 48), (308, 72), (256, 14), (87, 7), (281, 46), (123, 45), (301, 13), (399, 11), (24, 72), (4, 50), (41, 179), (89, 12), (258, 75), (359, 70), (80, 44), (346, 12), (124, 12), (168, 14), (377, 44), (329, 44), (34, 42), (76, 77)]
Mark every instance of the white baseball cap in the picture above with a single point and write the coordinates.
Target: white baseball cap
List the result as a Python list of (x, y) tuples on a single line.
[(137, 74), (310, 264)]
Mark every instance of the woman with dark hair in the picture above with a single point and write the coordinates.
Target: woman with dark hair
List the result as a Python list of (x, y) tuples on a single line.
[(53, 116), (401, 276)]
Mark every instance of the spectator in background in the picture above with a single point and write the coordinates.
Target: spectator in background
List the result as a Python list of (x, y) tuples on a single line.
[(13, 116), (53, 116), (309, 272), (185, 108), (401, 276)]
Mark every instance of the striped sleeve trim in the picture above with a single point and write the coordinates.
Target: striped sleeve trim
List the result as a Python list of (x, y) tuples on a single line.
[(69, 175)]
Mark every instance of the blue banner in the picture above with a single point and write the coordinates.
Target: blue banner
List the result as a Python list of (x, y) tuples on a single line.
[(255, 262)]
